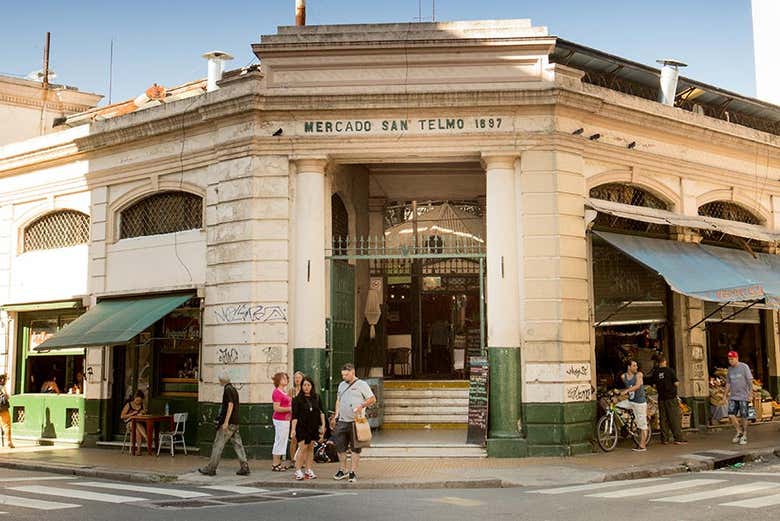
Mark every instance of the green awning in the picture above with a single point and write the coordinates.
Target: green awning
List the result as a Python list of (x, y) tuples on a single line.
[(113, 322), (42, 306)]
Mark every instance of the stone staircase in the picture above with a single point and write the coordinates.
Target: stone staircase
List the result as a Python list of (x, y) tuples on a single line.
[(432, 404), (424, 419)]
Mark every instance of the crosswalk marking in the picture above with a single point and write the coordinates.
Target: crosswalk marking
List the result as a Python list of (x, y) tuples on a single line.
[(35, 504), (757, 502), (740, 473), (185, 494), (718, 492), (77, 494), (51, 478), (632, 491), (591, 486), (236, 489)]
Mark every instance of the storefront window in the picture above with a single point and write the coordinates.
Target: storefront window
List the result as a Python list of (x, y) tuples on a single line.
[(177, 352), (52, 372)]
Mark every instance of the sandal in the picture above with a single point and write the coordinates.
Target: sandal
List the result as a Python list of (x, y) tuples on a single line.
[(278, 468)]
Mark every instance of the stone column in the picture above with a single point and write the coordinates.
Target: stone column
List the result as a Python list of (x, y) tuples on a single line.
[(558, 403), (690, 347), (309, 353), (503, 313)]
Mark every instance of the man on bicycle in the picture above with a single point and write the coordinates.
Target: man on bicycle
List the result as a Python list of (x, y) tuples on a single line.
[(637, 400)]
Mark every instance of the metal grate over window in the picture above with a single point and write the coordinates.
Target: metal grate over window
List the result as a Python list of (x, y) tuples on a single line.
[(59, 229), (729, 211), (628, 194), (165, 212)]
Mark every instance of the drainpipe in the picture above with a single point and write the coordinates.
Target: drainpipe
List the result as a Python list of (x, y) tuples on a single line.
[(300, 12), (216, 61), (670, 72)]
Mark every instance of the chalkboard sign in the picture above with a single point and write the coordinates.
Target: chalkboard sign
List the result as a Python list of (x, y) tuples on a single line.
[(478, 400)]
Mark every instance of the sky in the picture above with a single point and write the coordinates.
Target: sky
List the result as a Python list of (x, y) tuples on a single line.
[(162, 42)]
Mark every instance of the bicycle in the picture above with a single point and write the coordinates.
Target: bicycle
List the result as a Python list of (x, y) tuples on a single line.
[(617, 423)]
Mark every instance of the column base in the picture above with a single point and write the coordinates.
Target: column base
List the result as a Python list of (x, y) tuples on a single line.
[(313, 362), (559, 429), (700, 411), (504, 392), (507, 448)]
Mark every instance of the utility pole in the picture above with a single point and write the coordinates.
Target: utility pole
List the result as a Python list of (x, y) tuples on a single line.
[(45, 82)]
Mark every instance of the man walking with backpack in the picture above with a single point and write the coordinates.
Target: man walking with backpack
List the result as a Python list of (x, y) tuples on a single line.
[(354, 395)]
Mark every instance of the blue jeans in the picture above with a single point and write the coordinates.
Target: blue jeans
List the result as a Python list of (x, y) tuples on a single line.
[(738, 408)]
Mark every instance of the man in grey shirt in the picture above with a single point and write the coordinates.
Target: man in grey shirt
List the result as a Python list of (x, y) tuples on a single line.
[(739, 388), (354, 395)]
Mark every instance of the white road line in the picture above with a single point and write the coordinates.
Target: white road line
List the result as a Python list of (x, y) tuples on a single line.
[(739, 473), (631, 491), (52, 478), (77, 494), (35, 504), (719, 492), (591, 486), (757, 502), (186, 494), (236, 489)]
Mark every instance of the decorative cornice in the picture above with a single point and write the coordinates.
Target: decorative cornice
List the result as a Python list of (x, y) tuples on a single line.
[(52, 104)]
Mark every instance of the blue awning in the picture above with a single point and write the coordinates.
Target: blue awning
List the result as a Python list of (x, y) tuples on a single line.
[(705, 272)]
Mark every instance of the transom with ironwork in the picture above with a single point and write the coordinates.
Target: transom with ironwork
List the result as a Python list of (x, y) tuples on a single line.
[(60, 229), (631, 195), (164, 212)]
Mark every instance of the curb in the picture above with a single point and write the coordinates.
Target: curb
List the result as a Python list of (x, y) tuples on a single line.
[(90, 472), (648, 471)]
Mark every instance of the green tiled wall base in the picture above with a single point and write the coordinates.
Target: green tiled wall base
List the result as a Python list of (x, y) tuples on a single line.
[(257, 430)]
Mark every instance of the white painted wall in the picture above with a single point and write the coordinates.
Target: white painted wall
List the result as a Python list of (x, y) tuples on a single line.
[(47, 275), (766, 43), (156, 262)]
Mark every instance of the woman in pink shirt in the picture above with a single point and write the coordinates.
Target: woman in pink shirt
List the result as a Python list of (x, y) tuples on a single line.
[(282, 407)]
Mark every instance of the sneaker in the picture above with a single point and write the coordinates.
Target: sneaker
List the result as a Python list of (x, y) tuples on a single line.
[(743, 440), (207, 471), (736, 438), (310, 474), (298, 475), (338, 476), (639, 449), (243, 471), (352, 477)]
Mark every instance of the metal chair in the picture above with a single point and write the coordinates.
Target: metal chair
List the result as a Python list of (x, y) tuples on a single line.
[(176, 435)]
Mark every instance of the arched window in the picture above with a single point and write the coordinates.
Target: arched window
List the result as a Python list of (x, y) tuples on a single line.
[(631, 195), (339, 219), (729, 211), (59, 229), (164, 212)]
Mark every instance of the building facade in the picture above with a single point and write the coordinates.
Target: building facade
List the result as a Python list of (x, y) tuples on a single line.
[(407, 196)]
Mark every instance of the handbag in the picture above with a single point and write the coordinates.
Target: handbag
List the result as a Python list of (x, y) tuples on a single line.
[(362, 429)]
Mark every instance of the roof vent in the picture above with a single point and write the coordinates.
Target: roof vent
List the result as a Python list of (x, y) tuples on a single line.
[(670, 72), (300, 12), (217, 61)]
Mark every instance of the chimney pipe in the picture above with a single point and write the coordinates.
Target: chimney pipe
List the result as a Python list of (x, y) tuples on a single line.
[(300, 12), (670, 72), (217, 61)]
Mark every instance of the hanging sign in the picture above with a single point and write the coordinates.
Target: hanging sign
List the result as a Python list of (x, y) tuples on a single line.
[(478, 400)]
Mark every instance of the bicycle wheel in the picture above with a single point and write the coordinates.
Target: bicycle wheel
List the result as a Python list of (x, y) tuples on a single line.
[(606, 433)]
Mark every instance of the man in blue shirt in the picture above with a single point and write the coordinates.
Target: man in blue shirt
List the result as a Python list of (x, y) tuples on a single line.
[(739, 388)]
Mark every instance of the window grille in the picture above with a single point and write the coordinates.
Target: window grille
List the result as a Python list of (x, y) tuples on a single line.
[(72, 418), (57, 230), (729, 211), (632, 195), (165, 212)]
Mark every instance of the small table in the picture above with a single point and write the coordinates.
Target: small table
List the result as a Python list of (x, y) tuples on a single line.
[(152, 423)]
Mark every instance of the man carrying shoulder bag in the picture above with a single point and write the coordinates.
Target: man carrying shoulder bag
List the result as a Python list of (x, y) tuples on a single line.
[(353, 396)]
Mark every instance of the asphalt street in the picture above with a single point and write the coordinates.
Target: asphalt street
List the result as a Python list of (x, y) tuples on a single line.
[(752, 491)]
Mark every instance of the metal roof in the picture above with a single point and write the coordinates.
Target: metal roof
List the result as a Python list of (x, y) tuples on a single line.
[(715, 102)]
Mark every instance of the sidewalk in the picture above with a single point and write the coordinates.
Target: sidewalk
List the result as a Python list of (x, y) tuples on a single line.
[(705, 451)]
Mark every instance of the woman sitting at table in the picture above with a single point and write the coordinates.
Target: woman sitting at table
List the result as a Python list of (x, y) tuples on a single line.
[(132, 408)]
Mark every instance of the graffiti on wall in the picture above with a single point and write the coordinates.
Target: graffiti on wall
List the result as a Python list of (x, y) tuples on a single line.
[(241, 313)]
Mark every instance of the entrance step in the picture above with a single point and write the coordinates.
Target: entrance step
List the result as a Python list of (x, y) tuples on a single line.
[(425, 403), (425, 451)]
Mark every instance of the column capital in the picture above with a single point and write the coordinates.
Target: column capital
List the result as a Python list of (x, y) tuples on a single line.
[(311, 163), (502, 160)]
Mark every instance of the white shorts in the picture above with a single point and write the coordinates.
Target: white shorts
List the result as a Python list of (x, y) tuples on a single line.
[(640, 413), (281, 436)]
